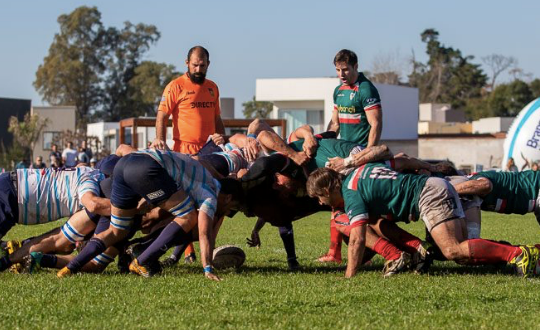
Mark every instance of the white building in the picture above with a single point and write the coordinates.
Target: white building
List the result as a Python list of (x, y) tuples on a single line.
[(59, 119), (492, 125), (310, 101)]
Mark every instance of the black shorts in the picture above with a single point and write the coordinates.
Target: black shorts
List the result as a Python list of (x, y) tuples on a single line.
[(139, 176), (9, 209)]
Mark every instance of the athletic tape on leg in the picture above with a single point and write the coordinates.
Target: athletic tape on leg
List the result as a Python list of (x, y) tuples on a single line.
[(71, 233), (182, 208), (103, 259), (123, 223)]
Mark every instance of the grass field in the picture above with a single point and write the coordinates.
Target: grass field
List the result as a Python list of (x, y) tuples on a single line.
[(263, 294)]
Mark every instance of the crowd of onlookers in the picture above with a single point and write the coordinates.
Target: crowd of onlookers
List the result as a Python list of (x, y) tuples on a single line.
[(69, 157), (528, 165)]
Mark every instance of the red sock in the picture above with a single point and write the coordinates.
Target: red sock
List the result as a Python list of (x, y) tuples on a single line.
[(482, 251), (386, 249), (408, 242), (335, 241)]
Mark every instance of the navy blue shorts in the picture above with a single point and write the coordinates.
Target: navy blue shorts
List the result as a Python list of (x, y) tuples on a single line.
[(9, 209), (209, 148), (139, 176), (218, 162)]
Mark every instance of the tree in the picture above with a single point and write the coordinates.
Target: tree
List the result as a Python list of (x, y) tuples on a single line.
[(27, 132), (70, 73), (128, 47), (509, 99), (386, 68), (147, 85), (447, 77), (257, 109), (535, 88), (498, 64)]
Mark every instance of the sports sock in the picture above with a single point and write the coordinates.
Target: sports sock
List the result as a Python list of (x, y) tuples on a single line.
[(386, 249), (172, 235), (483, 251), (407, 242), (335, 241), (189, 250), (287, 236), (94, 247), (48, 261), (5, 263)]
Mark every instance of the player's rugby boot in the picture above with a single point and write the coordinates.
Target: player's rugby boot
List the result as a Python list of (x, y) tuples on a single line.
[(421, 260), (525, 264), (392, 267), (144, 270), (32, 262), (13, 246), (64, 272)]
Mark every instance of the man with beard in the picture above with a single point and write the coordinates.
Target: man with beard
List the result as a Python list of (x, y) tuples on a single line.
[(193, 102)]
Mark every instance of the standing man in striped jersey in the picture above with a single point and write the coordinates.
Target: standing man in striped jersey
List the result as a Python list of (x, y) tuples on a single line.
[(357, 117)]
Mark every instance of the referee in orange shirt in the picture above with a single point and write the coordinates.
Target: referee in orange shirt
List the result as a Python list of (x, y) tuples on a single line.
[(193, 102)]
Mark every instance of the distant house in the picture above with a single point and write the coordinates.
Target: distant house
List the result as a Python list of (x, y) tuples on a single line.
[(60, 118)]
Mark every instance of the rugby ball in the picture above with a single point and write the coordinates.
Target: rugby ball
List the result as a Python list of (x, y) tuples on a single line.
[(228, 256), (523, 137)]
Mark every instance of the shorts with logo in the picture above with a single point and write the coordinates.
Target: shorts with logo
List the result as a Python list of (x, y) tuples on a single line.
[(438, 203), (139, 175), (9, 208)]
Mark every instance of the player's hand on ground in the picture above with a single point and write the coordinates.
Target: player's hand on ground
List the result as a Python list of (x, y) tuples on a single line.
[(212, 276), (251, 149), (159, 144), (218, 138), (310, 146), (336, 163), (300, 158), (255, 240)]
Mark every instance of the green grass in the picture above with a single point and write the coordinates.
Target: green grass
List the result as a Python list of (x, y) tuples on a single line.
[(264, 295)]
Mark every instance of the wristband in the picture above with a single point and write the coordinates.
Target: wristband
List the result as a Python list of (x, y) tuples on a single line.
[(208, 269), (348, 161), (251, 135)]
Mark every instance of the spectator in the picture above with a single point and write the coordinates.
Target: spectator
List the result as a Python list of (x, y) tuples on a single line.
[(69, 155), (55, 154), (83, 157), (55, 162), (511, 166), (22, 164), (87, 150), (39, 164), (93, 162)]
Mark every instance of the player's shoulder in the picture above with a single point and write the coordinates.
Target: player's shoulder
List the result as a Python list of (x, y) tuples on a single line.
[(365, 85), (210, 84)]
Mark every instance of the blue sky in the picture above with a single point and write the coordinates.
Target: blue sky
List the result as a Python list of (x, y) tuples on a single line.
[(275, 39)]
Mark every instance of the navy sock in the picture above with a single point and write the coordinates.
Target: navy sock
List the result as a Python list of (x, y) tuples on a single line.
[(5, 263), (287, 236), (171, 235), (94, 247), (48, 261), (179, 251)]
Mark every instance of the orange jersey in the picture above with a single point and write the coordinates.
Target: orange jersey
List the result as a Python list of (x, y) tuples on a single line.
[(194, 109)]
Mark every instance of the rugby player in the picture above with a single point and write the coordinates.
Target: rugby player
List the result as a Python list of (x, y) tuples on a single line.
[(30, 197), (193, 102), (376, 190), (357, 117), (171, 181), (505, 192)]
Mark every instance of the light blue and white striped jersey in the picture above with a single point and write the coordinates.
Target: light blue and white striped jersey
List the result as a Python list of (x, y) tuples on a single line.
[(190, 176), (50, 194)]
